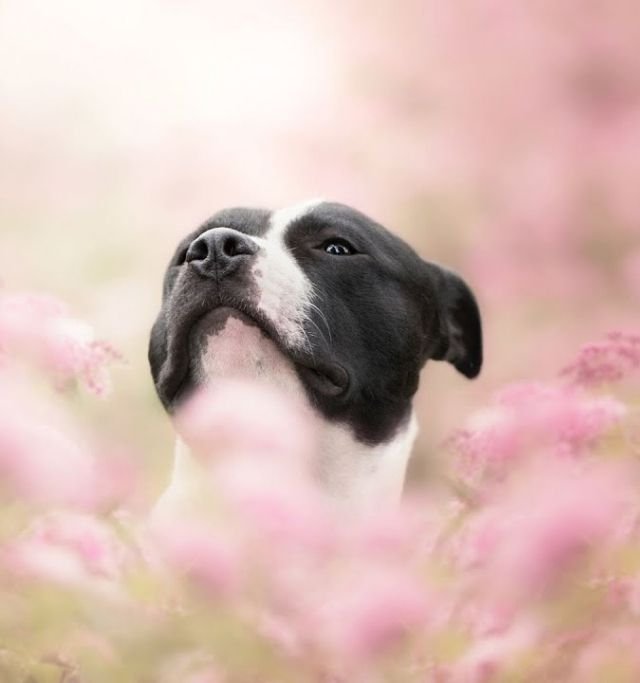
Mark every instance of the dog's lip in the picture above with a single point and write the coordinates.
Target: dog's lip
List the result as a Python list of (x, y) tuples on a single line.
[(330, 379), (325, 376), (218, 314)]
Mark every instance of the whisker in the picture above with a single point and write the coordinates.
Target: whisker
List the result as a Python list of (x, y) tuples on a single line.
[(323, 318), (320, 332)]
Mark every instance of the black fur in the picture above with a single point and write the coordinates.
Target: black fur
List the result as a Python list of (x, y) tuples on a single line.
[(383, 312)]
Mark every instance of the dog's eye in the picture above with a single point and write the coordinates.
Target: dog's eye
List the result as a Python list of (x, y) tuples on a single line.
[(338, 247)]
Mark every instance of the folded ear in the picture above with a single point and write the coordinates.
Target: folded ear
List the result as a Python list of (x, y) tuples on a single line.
[(458, 330)]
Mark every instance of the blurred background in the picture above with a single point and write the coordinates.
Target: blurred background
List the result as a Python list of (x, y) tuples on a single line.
[(501, 139)]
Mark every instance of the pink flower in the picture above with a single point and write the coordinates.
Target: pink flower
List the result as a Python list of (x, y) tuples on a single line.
[(280, 508), (38, 328), (117, 478), (610, 360), (199, 552), (406, 532), (371, 613), (491, 654), (46, 460), (613, 650), (240, 417), (529, 417), (67, 548), (70, 352), (544, 521), (256, 448), (42, 465)]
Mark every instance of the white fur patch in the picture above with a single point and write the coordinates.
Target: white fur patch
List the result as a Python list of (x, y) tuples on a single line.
[(242, 351), (359, 475), (285, 291)]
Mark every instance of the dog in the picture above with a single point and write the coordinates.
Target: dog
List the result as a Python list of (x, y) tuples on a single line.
[(327, 305)]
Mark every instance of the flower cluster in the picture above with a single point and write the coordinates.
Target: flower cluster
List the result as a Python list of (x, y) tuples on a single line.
[(527, 567), (606, 361), (40, 328)]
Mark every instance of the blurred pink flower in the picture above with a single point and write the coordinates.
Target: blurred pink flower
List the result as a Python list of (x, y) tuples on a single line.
[(492, 654), (46, 460), (68, 548), (243, 418), (370, 614), (531, 416), (198, 551), (543, 521), (42, 465), (71, 353), (407, 532), (611, 360), (256, 445), (614, 652), (117, 478), (38, 328), (91, 540), (280, 508)]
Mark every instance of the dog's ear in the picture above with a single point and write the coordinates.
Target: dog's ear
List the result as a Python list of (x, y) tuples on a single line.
[(456, 330)]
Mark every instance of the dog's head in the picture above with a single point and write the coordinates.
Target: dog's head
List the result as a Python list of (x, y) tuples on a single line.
[(351, 308)]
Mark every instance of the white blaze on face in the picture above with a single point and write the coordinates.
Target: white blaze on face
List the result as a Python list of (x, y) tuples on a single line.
[(285, 291)]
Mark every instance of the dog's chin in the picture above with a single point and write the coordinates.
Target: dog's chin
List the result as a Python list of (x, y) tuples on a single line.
[(217, 322), (227, 343)]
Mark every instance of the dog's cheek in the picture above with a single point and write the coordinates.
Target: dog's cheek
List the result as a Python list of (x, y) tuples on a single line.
[(169, 281), (158, 346)]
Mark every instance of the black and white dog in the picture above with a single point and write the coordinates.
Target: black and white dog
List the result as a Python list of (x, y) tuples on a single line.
[(328, 305)]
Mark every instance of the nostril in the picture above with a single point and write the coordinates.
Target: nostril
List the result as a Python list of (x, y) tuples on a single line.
[(231, 247), (237, 245), (198, 251)]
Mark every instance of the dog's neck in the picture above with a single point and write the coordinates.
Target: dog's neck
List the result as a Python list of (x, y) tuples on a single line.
[(348, 471), (363, 475)]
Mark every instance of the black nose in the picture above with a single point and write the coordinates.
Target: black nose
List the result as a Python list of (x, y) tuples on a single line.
[(220, 251)]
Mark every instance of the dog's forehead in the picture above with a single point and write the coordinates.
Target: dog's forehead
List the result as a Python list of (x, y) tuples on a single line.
[(260, 222), (315, 213), (318, 214)]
